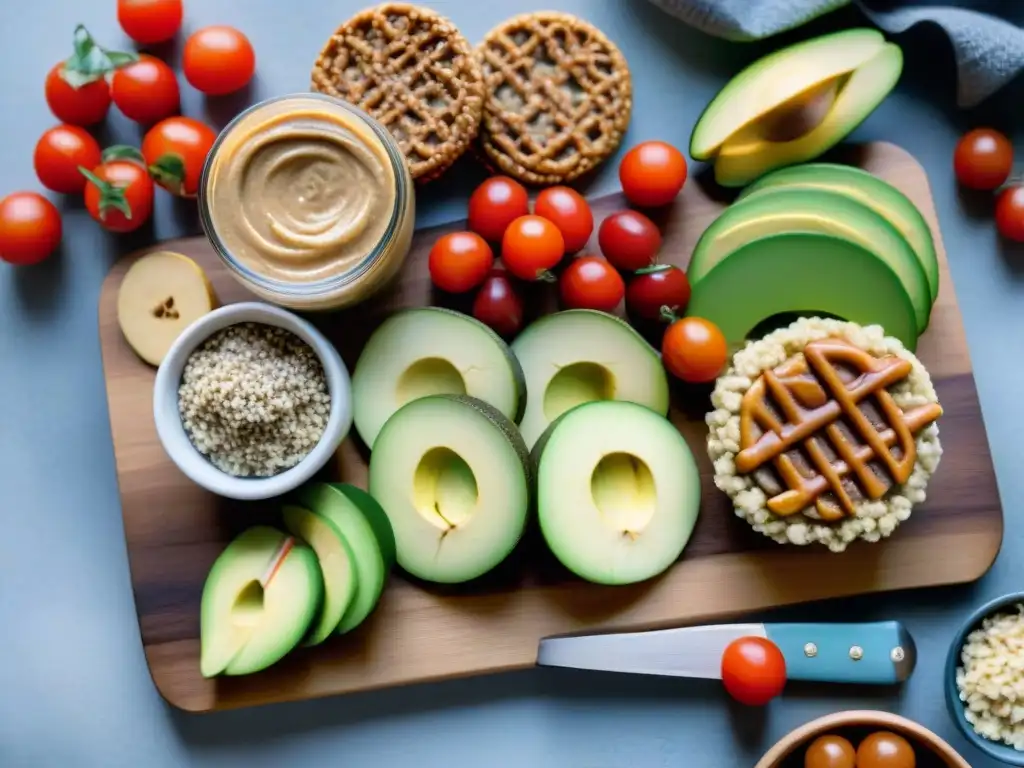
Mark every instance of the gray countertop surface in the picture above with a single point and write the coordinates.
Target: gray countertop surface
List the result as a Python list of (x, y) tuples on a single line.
[(74, 688)]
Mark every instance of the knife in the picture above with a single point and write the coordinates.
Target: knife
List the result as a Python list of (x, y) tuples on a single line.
[(876, 653)]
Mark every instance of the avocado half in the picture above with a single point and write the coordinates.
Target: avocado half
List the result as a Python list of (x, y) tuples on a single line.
[(793, 105), (868, 190), (835, 216)]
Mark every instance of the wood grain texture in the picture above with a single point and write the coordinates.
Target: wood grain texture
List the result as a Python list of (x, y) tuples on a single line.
[(419, 633)]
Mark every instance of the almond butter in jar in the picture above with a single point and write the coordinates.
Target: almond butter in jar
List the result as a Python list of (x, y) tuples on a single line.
[(308, 201)]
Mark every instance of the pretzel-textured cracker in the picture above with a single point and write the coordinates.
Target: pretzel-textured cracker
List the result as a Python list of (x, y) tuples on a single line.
[(415, 73), (558, 97)]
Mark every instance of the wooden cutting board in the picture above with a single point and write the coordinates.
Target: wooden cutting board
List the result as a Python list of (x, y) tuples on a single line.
[(420, 633)]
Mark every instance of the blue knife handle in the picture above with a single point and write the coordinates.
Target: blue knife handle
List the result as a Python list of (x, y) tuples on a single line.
[(878, 653)]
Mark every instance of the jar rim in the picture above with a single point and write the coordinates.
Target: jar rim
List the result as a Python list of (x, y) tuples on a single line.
[(328, 285)]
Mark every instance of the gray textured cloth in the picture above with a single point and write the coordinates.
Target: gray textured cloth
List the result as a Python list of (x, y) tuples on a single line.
[(989, 50)]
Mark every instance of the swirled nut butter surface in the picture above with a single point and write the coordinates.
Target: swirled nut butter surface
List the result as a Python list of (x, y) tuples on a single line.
[(303, 189)]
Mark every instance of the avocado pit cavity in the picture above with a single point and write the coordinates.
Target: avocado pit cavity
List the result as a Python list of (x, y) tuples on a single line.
[(445, 488), (576, 384), (624, 492)]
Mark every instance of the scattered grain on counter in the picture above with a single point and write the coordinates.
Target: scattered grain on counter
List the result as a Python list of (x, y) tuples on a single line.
[(991, 678), (253, 399)]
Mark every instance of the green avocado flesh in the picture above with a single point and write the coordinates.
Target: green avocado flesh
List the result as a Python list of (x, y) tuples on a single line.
[(336, 565), (350, 514), (868, 190), (432, 351), (260, 598), (805, 273), (778, 78), (618, 492), (786, 211), (580, 355), (749, 153), (452, 475)]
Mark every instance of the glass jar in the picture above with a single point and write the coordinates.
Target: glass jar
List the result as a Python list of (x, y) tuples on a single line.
[(308, 201)]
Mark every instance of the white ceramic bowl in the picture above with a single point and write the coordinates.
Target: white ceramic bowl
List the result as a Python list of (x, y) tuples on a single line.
[(196, 466)]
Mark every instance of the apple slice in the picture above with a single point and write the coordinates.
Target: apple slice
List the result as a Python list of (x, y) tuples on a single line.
[(336, 564), (260, 597)]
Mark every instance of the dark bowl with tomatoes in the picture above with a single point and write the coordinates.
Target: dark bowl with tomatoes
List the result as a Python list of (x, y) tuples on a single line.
[(859, 729)]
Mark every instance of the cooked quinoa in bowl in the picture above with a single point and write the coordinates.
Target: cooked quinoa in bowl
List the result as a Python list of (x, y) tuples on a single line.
[(755, 492)]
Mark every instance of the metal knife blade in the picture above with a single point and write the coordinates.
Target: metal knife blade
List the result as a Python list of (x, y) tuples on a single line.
[(876, 653)]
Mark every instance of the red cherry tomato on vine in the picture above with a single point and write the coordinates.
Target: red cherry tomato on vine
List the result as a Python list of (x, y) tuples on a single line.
[(218, 60), (655, 287), (119, 195), (753, 670), (591, 283), (460, 261), (498, 305), (652, 173), (568, 210), (175, 150), (1010, 213), (495, 204), (30, 228), (59, 152), (694, 350), (85, 105), (149, 21), (530, 247), (146, 91), (629, 240), (983, 159)]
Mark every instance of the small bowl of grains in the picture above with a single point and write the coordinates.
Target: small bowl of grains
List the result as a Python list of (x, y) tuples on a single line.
[(985, 679), (251, 401)]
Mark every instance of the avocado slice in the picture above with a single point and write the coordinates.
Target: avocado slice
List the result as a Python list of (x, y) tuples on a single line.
[(804, 273), (780, 79), (580, 355), (336, 565), (452, 474), (751, 153), (432, 351), (868, 190), (618, 492), (260, 597), (365, 528), (813, 211)]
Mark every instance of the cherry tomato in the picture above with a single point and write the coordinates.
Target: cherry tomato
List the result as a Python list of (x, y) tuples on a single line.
[(590, 282), (568, 210), (753, 670), (1010, 213), (494, 205), (498, 305), (629, 240), (656, 287), (59, 152), (85, 105), (530, 247), (830, 752), (694, 350), (175, 150), (460, 261), (30, 228), (119, 195), (885, 750), (982, 159), (218, 60), (146, 91), (149, 21), (652, 173)]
